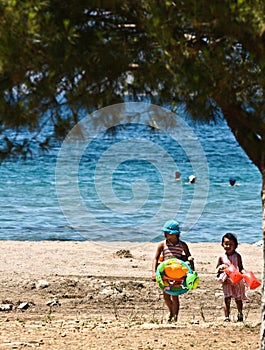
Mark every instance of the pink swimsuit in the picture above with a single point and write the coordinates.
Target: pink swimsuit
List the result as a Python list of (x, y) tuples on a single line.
[(237, 290)]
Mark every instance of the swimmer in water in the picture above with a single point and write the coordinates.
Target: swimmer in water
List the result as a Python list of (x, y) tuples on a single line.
[(177, 176), (192, 179), (232, 182)]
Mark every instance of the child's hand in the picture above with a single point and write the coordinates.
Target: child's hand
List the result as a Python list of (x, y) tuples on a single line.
[(221, 268)]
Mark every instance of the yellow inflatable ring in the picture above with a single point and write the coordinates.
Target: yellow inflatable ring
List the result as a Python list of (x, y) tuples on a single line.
[(176, 277)]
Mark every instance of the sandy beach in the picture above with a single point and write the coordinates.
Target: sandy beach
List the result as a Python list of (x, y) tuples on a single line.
[(85, 295)]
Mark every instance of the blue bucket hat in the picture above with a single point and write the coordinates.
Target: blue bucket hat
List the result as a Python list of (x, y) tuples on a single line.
[(171, 227)]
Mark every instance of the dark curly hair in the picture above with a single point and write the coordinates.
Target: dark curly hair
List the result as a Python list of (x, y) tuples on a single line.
[(231, 237)]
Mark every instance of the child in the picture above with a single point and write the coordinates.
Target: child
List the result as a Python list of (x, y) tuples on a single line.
[(171, 247), (230, 290)]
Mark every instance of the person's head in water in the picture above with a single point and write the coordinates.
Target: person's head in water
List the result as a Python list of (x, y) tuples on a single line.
[(177, 175), (232, 181)]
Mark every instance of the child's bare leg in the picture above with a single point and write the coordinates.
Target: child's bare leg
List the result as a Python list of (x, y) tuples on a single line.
[(227, 303), (172, 302), (239, 304), (169, 304), (175, 306)]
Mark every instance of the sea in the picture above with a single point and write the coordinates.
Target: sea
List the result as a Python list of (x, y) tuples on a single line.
[(119, 184)]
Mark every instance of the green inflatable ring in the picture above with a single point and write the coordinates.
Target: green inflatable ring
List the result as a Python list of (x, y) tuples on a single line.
[(190, 281)]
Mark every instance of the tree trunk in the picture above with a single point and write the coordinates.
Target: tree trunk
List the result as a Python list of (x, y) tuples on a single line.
[(262, 333)]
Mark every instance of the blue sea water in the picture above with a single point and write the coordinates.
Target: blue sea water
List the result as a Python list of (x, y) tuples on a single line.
[(126, 190)]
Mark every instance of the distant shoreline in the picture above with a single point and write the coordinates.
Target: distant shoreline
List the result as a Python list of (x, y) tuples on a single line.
[(258, 243)]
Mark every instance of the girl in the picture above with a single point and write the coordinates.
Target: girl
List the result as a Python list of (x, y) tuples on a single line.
[(171, 247), (230, 290)]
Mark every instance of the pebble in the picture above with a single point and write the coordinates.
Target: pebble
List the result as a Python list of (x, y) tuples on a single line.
[(42, 284), (23, 306), (6, 307)]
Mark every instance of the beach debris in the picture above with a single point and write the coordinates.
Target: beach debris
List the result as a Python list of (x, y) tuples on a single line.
[(106, 292), (259, 243), (19, 344), (6, 307), (124, 253), (41, 284), (53, 302), (23, 306), (136, 285), (113, 293), (31, 285)]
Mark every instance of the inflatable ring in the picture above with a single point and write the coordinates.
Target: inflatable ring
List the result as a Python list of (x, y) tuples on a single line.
[(176, 277)]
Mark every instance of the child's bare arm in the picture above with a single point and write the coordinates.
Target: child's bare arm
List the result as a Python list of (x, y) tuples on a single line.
[(156, 258), (220, 266), (240, 264), (188, 255)]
